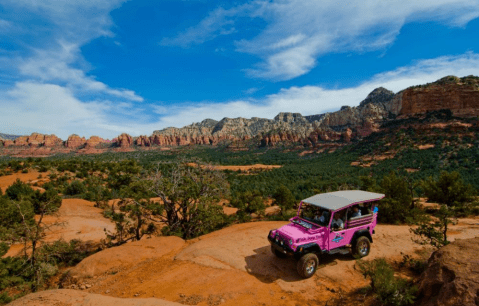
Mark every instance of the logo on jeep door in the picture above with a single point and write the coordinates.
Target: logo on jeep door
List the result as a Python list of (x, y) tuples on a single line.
[(338, 238)]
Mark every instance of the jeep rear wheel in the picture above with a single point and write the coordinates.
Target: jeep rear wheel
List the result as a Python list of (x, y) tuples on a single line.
[(277, 253), (307, 265), (361, 247)]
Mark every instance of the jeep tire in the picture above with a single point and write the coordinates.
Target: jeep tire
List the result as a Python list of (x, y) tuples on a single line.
[(361, 247), (307, 265), (277, 253)]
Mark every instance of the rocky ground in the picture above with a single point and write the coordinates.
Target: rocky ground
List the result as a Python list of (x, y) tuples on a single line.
[(233, 266)]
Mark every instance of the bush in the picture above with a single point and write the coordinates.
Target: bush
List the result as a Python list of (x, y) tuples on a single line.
[(75, 188), (387, 289), (448, 189), (398, 206), (284, 198), (249, 202), (63, 253), (19, 190)]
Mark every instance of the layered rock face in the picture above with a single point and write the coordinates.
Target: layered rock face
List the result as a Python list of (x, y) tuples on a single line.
[(460, 95), (452, 275)]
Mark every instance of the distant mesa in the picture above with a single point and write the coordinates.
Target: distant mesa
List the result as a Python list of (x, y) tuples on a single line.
[(460, 96)]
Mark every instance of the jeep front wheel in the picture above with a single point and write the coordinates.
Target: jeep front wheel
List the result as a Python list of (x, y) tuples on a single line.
[(307, 265), (277, 253), (361, 247)]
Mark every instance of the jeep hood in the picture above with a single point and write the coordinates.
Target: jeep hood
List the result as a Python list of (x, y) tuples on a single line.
[(296, 231)]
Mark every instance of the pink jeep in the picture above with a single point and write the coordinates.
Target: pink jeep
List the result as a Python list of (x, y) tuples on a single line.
[(328, 223)]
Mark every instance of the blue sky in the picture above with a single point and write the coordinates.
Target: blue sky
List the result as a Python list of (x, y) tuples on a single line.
[(96, 67)]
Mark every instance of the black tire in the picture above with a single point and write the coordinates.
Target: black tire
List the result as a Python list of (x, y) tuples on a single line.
[(277, 253), (362, 247), (307, 265)]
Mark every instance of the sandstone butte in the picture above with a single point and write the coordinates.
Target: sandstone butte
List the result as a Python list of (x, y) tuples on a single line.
[(460, 95)]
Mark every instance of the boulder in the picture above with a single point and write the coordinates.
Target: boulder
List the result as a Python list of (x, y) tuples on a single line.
[(452, 275)]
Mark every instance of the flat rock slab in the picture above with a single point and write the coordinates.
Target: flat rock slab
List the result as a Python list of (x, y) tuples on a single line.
[(113, 259), (67, 297)]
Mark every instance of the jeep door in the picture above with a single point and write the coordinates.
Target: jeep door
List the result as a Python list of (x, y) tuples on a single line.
[(341, 237)]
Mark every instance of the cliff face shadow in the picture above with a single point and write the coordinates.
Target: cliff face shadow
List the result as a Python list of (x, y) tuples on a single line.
[(268, 268)]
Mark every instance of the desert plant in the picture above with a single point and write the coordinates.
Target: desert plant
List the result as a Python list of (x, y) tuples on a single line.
[(387, 289), (448, 189), (284, 199), (248, 203), (434, 232)]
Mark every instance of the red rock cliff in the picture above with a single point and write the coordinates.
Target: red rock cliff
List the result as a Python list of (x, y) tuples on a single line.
[(460, 95)]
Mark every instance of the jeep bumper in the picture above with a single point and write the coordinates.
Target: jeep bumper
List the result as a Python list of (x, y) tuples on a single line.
[(276, 244)]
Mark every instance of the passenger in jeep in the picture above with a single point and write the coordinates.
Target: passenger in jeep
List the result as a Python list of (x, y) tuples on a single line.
[(337, 223), (321, 218), (356, 212)]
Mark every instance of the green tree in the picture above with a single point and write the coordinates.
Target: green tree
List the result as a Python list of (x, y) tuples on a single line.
[(75, 188), (19, 190), (189, 197), (137, 213), (449, 189), (19, 225), (284, 199), (249, 202), (434, 232), (368, 183), (196, 192), (396, 206)]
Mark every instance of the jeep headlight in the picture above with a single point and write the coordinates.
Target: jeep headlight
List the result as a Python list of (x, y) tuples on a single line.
[(290, 241)]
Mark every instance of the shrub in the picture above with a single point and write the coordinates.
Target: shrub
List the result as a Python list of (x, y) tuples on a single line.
[(284, 198), (448, 189), (387, 289), (63, 253), (19, 190), (75, 188), (398, 206), (249, 202)]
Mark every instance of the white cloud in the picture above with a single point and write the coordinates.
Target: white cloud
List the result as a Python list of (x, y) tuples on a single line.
[(218, 22), (78, 21), (298, 32), (46, 108), (55, 65)]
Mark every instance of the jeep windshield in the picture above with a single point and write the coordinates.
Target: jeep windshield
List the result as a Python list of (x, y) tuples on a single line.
[(313, 214)]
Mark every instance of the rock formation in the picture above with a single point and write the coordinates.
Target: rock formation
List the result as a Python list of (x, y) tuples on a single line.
[(93, 141), (36, 139), (124, 140), (460, 95), (452, 275), (74, 141), (143, 141)]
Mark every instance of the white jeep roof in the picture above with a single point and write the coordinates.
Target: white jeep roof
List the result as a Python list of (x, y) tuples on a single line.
[(340, 199)]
